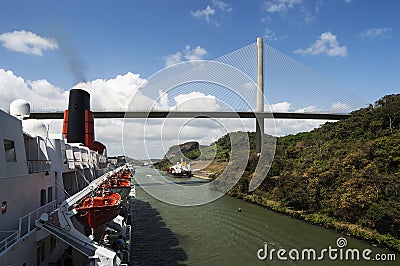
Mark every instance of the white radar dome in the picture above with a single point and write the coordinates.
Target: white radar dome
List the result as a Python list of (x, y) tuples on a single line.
[(35, 128), (20, 109)]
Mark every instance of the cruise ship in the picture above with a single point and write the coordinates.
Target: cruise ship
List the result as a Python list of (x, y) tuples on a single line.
[(56, 208)]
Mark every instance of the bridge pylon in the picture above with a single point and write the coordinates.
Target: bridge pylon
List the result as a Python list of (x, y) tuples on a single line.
[(260, 96)]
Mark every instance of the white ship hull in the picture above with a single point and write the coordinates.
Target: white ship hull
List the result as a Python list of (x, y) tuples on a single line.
[(43, 175)]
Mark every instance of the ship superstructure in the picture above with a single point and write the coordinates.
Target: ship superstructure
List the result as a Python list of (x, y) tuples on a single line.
[(180, 169), (43, 177)]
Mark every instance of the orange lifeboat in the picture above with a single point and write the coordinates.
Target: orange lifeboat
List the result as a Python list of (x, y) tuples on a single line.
[(126, 175), (120, 186), (122, 174), (97, 210)]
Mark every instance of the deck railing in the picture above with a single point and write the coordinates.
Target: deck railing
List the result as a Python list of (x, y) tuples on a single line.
[(27, 222), (8, 241), (38, 166)]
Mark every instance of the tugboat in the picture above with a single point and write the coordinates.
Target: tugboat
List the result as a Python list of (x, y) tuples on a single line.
[(180, 169)]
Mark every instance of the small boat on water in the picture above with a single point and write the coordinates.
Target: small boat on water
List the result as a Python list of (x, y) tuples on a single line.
[(99, 209), (122, 186), (180, 169)]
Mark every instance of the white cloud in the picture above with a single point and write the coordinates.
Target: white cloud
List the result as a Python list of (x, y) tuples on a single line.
[(280, 107), (196, 53), (327, 44), (210, 11), (112, 94), (293, 126), (163, 102), (281, 6), (270, 35), (188, 54), (297, 7), (40, 93), (27, 42), (205, 14), (11, 87), (118, 93), (222, 5), (376, 32), (308, 109), (196, 101), (308, 15), (340, 107), (317, 7), (173, 59), (285, 107), (155, 135)]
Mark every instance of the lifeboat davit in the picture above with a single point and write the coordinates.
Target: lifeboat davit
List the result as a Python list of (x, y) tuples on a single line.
[(97, 210)]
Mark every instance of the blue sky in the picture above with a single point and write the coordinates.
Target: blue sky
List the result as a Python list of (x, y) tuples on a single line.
[(354, 43)]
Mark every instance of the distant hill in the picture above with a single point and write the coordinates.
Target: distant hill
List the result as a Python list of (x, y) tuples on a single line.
[(188, 151), (134, 162)]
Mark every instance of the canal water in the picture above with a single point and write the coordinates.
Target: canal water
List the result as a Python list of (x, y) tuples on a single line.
[(218, 234)]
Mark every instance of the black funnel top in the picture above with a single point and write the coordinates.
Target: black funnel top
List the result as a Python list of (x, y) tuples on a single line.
[(79, 101)]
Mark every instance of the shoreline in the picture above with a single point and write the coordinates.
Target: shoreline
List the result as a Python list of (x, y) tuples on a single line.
[(357, 231), (203, 175), (369, 235)]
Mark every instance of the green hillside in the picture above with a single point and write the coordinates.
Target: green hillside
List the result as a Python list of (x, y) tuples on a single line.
[(348, 171)]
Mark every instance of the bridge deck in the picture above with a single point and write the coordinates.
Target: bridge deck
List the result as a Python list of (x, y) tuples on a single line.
[(198, 114)]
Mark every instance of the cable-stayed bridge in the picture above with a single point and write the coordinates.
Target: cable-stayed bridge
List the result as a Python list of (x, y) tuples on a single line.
[(252, 79), (236, 85)]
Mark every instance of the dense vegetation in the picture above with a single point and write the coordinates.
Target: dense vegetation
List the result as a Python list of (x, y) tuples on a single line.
[(347, 172)]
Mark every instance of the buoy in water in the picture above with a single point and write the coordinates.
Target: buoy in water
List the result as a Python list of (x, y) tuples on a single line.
[(239, 210)]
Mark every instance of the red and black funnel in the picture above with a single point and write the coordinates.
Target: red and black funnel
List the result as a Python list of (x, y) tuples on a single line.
[(78, 124)]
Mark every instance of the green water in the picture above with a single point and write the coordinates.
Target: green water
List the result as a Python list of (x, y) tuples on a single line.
[(218, 234)]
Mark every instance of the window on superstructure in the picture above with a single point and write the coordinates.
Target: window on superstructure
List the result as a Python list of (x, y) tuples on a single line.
[(64, 156), (9, 148), (42, 197), (49, 194), (4, 207)]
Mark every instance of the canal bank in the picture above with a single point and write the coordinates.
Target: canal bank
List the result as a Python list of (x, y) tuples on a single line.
[(354, 230), (217, 234)]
